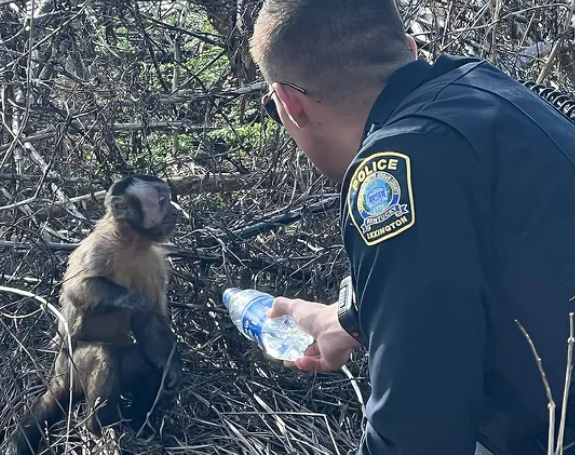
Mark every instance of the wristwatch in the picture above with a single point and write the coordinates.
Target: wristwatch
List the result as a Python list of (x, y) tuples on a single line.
[(347, 312)]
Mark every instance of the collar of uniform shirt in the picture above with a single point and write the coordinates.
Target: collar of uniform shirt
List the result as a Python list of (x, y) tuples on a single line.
[(401, 83)]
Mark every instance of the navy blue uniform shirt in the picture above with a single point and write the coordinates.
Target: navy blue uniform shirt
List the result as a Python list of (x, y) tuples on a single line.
[(458, 216)]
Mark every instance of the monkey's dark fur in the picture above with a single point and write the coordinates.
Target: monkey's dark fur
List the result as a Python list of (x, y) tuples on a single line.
[(113, 292)]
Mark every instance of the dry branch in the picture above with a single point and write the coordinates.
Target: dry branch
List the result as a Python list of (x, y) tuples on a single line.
[(194, 184), (119, 128), (103, 89), (182, 185)]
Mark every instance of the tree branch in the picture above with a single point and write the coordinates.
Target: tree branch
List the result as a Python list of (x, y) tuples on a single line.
[(119, 128)]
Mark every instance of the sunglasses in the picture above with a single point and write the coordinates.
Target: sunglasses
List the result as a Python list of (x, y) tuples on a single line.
[(270, 106)]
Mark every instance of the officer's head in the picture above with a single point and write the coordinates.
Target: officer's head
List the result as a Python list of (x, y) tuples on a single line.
[(326, 61)]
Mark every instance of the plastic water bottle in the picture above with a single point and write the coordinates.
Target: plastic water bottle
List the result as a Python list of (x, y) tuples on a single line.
[(279, 337)]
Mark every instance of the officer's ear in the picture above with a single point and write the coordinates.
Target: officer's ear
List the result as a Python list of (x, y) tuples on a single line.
[(293, 103), (412, 45)]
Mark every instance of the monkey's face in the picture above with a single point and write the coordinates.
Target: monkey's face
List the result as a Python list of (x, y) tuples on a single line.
[(146, 206)]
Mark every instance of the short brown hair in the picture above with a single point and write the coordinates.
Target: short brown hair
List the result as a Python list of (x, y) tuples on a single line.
[(329, 47)]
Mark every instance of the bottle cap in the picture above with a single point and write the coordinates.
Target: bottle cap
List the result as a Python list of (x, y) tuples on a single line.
[(228, 294)]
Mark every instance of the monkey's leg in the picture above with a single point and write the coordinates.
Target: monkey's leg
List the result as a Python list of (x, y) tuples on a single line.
[(49, 409), (158, 344), (144, 396), (103, 388), (142, 381)]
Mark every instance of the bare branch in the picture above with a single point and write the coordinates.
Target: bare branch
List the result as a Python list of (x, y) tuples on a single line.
[(551, 403)]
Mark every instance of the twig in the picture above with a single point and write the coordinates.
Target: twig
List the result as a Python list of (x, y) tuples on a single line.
[(569, 369), (118, 128), (557, 46), (355, 386), (201, 37), (551, 403), (284, 219), (45, 304), (494, 38)]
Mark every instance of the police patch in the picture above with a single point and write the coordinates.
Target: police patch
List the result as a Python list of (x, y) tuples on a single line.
[(380, 197)]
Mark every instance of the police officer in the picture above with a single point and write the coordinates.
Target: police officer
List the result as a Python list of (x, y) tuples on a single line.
[(458, 217)]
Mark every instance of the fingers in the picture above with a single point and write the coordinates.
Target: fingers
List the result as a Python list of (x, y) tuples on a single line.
[(308, 364), (282, 306), (313, 364), (312, 361), (312, 350), (305, 314), (295, 308), (319, 361)]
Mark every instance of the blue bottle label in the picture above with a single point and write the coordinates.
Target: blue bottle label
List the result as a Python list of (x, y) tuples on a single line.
[(254, 316)]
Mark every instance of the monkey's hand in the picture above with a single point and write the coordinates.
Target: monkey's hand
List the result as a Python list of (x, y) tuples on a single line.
[(121, 299), (132, 300), (174, 379)]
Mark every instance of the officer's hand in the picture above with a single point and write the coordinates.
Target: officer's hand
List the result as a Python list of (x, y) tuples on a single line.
[(332, 346)]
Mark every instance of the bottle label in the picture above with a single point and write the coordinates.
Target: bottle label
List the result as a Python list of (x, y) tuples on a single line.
[(254, 316)]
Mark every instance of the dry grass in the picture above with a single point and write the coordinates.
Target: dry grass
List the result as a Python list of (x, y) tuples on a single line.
[(98, 115)]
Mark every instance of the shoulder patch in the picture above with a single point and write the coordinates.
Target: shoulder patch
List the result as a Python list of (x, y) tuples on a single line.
[(380, 197)]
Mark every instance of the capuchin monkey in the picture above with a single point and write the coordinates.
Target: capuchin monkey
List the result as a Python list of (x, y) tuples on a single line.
[(113, 299)]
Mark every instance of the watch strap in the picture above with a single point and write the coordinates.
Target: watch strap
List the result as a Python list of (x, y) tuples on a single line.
[(347, 311)]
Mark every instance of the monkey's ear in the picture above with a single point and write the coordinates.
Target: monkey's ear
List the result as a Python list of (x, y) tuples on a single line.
[(119, 207)]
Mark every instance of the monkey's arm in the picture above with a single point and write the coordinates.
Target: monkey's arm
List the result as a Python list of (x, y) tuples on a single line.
[(100, 295), (100, 310)]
